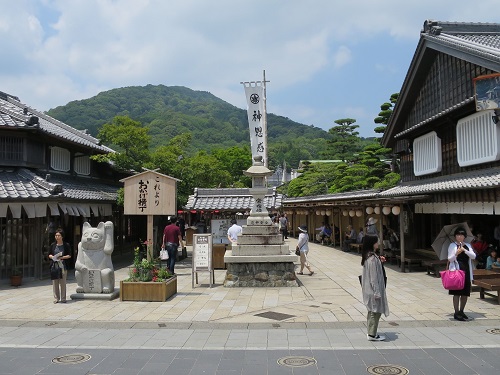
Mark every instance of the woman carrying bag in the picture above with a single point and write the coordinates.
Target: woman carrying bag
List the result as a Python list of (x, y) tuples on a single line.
[(303, 248), (460, 255), (58, 253), (373, 283)]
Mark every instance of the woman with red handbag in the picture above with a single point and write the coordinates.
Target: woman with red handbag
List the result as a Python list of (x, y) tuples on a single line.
[(460, 255)]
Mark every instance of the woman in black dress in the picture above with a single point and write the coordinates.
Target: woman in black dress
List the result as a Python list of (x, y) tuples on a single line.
[(460, 255)]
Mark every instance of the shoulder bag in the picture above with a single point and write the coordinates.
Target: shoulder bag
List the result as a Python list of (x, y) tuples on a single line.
[(452, 280)]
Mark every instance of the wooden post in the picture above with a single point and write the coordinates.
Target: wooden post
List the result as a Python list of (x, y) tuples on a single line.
[(151, 240)]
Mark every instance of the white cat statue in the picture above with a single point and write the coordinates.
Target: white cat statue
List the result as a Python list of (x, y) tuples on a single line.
[(94, 270)]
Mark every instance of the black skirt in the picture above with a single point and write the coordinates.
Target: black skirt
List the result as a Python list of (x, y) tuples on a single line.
[(463, 262)]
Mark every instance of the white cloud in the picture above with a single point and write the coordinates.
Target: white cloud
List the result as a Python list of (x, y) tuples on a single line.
[(86, 46)]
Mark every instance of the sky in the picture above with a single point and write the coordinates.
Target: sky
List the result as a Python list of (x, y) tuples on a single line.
[(324, 59)]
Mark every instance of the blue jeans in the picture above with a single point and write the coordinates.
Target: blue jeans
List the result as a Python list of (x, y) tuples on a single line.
[(172, 255)]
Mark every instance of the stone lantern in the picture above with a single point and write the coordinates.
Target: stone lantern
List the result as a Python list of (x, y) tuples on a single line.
[(258, 172), (260, 258)]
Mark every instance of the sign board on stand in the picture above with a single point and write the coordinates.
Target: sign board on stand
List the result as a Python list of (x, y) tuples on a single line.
[(202, 257)]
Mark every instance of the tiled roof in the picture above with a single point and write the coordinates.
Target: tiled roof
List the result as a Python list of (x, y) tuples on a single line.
[(14, 185), (347, 196), (480, 179), (21, 184), (229, 199), (12, 114)]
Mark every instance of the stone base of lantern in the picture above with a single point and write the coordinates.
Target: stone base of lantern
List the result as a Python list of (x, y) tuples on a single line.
[(260, 271)]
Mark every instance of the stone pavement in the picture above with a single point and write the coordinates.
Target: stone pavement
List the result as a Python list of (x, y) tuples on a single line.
[(220, 330)]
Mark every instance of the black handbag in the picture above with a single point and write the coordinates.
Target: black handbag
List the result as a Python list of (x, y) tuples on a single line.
[(297, 251), (55, 271)]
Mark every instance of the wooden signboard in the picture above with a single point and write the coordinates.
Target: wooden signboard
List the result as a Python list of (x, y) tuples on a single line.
[(202, 257), (150, 193)]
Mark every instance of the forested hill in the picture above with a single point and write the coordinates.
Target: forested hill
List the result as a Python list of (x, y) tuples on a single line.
[(169, 111)]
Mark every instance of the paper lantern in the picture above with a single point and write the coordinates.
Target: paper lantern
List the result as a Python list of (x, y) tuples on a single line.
[(352, 213), (323, 213), (318, 212), (359, 213), (369, 210), (377, 210), (386, 210), (328, 213), (344, 213), (396, 210)]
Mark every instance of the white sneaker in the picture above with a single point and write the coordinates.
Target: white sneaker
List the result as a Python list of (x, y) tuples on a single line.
[(376, 338)]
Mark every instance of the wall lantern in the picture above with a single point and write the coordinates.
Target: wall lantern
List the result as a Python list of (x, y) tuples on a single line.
[(352, 213), (344, 213), (359, 213), (377, 210), (369, 210), (386, 210), (396, 210)]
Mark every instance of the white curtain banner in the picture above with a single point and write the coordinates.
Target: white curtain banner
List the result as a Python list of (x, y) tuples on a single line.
[(254, 92)]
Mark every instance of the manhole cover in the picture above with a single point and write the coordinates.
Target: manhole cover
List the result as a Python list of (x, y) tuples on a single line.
[(71, 359), (494, 331), (387, 370), (296, 361)]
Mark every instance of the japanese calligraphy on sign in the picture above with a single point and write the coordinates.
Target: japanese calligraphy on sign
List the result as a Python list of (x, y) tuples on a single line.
[(202, 254), (256, 111), (150, 193)]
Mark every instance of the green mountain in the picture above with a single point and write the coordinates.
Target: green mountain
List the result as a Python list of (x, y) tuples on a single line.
[(169, 111)]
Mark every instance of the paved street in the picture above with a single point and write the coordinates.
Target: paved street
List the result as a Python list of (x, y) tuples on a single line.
[(319, 325)]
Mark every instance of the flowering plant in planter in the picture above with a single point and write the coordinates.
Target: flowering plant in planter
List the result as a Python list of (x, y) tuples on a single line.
[(147, 270)]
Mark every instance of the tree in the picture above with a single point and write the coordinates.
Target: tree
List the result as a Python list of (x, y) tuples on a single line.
[(130, 140), (235, 160), (345, 140)]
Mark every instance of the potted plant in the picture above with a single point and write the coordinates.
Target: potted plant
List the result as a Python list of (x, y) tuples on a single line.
[(16, 276), (147, 281)]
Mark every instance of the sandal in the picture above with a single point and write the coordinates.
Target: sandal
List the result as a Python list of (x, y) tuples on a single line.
[(312, 273)]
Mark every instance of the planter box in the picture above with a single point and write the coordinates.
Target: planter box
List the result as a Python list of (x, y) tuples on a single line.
[(148, 291)]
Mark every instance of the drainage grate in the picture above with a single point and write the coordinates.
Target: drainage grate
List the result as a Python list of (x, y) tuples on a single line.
[(275, 315), (494, 331), (296, 361), (387, 370), (326, 303), (393, 324), (162, 325), (71, 359)]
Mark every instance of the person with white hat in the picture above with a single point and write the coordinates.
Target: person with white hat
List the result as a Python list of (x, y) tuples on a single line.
[(371, 228), (303, 247)]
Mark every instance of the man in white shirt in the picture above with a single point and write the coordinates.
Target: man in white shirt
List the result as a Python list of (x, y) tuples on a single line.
[(234, 231)]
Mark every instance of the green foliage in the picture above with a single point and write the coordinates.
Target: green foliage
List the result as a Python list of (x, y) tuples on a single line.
[(168, 112), (344, 141), (130, 139)]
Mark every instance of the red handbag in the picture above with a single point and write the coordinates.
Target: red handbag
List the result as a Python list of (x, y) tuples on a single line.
[(452, 280)]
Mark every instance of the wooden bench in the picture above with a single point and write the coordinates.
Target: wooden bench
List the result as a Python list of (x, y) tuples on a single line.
[(356, 246), (416, 257), (488, 285), (484, 274), (434, 266)]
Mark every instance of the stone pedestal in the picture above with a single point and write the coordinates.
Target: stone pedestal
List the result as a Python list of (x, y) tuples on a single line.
[(260, 271), (260, 258)]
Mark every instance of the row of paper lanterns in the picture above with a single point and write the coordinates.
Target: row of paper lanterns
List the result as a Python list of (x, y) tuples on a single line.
[(386, 210)]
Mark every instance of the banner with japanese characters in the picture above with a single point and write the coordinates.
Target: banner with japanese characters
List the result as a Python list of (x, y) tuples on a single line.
[(254, 92)]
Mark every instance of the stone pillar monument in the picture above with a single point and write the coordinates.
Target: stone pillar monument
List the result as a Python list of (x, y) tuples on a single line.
[(260, 258)]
